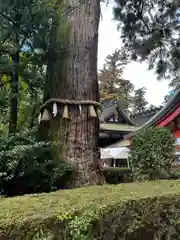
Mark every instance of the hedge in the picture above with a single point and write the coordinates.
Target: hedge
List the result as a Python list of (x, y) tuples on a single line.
[(121, 170), (116, 175), (99, 212)]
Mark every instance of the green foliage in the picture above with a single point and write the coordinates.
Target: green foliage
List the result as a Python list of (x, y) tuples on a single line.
[(43, 236), (117, 169), (3, 105), (24, 30), (112, 84), (115, 175), (175, 83), (28, 165), (107, 212), (139, 101), (25, 21), (152, 153), (148, 31)]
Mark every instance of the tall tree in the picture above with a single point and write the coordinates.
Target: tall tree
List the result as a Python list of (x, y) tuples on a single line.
[(125, 91), (150, 31), (173, 86), (72, 75), (31, 86), (115, 64), (151, 107), (139, 100), (111, 74), (22, 23), (175, 83), (112, 84)]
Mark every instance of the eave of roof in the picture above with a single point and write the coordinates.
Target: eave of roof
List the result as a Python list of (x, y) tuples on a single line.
[(169, 107), (170, 117), (123, 115), (152, 111), (109, 110), (117, 127)]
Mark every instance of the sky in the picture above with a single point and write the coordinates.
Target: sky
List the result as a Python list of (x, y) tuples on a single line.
[(137, 73)]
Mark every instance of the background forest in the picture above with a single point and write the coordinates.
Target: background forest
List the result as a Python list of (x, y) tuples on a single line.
[(26, 161)]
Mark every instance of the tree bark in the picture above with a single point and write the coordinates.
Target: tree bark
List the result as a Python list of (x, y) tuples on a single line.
[(15, 78), (72, 74), (14, 93), (33, 117)]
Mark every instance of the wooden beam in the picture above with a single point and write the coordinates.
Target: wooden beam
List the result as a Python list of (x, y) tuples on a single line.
[(169, 118)]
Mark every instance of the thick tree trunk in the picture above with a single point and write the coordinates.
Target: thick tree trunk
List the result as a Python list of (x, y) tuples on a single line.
[(73, 76)]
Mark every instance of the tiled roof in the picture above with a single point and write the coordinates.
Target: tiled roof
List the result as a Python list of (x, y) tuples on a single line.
[(109, 110), (169, 107)]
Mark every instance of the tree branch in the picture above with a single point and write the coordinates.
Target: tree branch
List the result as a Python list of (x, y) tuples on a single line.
[(29, 8), (7, 18), (7, 36)]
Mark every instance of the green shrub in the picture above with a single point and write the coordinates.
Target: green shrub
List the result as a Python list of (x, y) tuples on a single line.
[(28, 165), (115, 175), (124, 211), (152, 154), (120, 170)]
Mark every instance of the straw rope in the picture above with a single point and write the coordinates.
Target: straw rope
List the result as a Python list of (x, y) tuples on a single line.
[(71, 102)]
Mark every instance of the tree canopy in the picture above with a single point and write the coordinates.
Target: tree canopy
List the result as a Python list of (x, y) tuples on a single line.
[(150, 32), (112, 84), (139, 100), (24, 41), (24, 29)]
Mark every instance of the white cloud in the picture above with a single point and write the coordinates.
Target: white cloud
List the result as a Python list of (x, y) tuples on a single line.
[(137, 73)]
